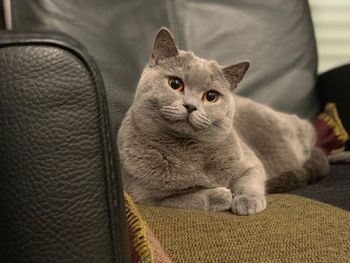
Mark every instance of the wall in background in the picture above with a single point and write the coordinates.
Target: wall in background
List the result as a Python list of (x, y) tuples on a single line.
[(332, 28)]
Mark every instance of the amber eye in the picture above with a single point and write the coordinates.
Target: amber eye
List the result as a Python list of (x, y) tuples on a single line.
[(176, 83), (211, 96)]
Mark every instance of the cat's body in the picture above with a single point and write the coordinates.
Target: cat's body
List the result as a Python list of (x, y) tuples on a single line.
[(180, 148)]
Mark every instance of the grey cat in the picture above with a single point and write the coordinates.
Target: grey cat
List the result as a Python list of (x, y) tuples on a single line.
[(188, 142)]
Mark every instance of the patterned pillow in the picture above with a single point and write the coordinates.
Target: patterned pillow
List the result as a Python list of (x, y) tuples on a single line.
[(331, 135), (144, 246)]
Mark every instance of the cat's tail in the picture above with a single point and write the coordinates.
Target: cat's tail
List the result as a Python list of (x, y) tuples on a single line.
[(315, 168)]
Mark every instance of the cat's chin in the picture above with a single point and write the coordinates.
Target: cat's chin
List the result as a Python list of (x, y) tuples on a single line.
[(183, 127), (198, 121), (187, 129), (192, 122), (196, 125)]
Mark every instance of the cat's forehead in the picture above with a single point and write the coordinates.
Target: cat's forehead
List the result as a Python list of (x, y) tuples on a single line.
[(187, 57), (192, 67)]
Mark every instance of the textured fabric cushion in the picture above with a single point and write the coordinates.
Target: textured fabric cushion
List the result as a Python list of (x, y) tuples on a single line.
[(291, 229), (276, 35)]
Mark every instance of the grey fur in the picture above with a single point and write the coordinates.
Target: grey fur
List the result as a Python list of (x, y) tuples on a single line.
[(217, 157)]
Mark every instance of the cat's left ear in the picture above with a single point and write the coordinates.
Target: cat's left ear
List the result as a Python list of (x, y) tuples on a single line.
[(235, 73), (164, 46)]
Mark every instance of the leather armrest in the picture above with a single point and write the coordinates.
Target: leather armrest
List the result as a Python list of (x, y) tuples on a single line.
[(61, 197)]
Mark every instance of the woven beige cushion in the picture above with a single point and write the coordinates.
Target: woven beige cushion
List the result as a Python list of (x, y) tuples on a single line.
[(291, 229)]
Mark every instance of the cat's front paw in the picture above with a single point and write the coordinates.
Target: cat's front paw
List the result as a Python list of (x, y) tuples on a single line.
[(219, 199), (248, 204)]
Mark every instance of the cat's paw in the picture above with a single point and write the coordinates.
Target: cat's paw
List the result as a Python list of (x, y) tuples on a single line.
[(219, 199), (248, 204)]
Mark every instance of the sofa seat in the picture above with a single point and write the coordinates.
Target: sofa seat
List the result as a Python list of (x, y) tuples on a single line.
[(291, 229)]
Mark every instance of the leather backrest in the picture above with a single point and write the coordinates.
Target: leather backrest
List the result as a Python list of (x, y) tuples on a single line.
[(118, 34), (2, 18), (60, 197), (276, 35)]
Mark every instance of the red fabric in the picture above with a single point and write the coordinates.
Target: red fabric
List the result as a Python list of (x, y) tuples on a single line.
[(326, 138)]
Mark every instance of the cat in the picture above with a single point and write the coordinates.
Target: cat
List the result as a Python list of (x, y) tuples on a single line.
[(188, 141)]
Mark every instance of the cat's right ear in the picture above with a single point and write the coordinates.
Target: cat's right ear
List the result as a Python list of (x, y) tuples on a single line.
[(235, 73), (164, 46)]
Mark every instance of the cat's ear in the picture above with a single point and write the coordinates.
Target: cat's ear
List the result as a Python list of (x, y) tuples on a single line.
[(164, 46), (235, 73)]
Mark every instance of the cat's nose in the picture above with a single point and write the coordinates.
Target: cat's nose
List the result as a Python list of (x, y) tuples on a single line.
[(190, 108)]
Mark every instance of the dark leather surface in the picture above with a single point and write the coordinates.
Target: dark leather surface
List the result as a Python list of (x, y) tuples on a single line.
[(60, 198), (2, 21), (333, 189)]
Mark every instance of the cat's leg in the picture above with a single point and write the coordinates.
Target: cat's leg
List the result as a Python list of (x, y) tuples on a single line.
[(315, 168), (249, 192), (213, 199)]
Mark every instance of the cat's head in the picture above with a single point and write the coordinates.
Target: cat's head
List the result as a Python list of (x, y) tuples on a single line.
[(189, 96)]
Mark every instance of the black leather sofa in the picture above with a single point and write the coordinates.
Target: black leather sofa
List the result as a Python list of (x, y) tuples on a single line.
[(61, 196)]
